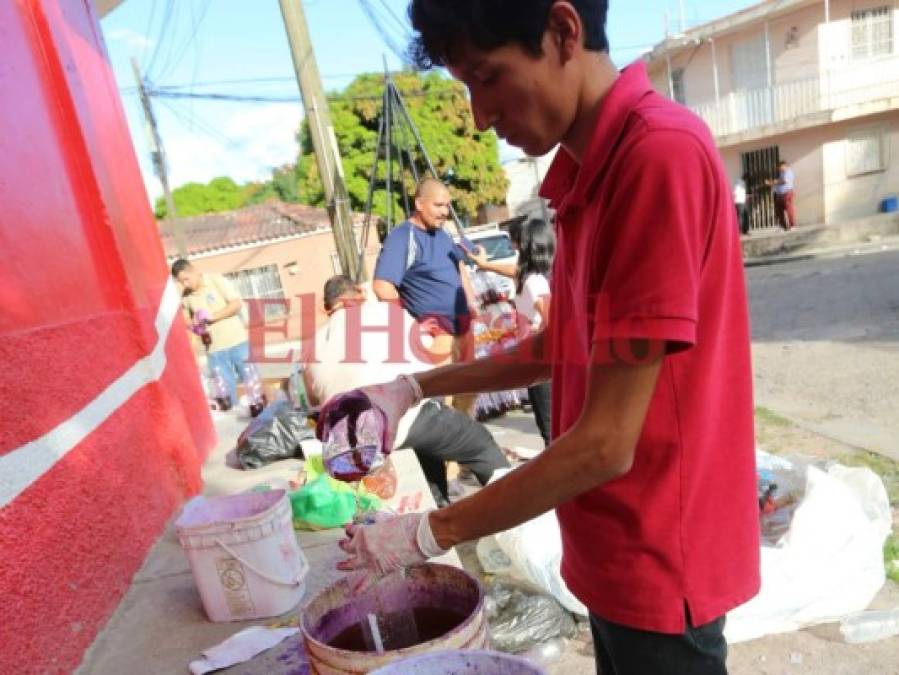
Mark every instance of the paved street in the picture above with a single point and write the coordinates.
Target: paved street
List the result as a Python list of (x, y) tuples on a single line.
[(826, 345)]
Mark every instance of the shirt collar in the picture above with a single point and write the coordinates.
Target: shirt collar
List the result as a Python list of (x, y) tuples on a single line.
[(568, 179)]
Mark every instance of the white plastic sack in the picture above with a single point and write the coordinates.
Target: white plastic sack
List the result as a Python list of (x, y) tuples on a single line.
[(535, 549), (830, 561)]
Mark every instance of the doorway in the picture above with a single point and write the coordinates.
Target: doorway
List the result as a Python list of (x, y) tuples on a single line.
[(758, 166)]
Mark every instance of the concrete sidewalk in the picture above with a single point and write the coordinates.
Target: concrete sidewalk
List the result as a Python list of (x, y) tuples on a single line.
[(810, 241), (160, 625)]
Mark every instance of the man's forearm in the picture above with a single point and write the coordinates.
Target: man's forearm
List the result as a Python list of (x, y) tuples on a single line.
[(599, 447), (522, 366), (231, 309), (505, 269), (572, 465)]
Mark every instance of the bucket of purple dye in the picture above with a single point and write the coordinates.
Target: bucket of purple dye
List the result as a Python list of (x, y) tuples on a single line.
[(447, 604), (462, 662)]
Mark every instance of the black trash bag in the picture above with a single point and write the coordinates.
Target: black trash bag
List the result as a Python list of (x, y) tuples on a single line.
[(275, 434), (520, 619)]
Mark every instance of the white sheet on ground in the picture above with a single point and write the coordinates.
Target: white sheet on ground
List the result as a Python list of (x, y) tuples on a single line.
[(828, 564)]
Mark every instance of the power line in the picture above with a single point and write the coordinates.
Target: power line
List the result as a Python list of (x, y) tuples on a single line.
[(163, 92), (371, 12), (163, 33), (196, 23)]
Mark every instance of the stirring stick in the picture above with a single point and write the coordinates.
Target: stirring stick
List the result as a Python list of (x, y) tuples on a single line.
[(375, 633)]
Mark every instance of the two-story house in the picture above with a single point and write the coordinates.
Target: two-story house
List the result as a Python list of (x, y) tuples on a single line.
[(814, 82)]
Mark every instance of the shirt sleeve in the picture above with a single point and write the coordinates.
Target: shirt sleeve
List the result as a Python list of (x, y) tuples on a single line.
[(537, 285), (391, 265), (664, 204)]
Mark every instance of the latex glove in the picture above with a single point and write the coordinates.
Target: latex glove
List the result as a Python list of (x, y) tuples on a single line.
[(202, 316), (394, 399), (391, 398), (199, 328), (389, 544)]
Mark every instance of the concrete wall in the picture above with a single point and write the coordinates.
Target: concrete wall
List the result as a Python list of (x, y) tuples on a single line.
[(824, 192), (801, 47), (850, 197), (104, 423)]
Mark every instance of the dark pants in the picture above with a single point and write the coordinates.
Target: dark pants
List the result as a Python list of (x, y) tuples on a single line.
[(540, 396), (628, 651), (742, 218), (440, 433), (786, 214)]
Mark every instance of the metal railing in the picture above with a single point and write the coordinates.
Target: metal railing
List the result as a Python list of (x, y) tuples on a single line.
[(858, 84)]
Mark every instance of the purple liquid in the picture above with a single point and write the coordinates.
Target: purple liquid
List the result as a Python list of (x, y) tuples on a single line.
[(353, 465)]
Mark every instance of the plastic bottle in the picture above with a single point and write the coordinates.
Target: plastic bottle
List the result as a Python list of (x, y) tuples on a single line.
[(870, 625), (296, 389), (351, 451), (220, 390), (253, 383)]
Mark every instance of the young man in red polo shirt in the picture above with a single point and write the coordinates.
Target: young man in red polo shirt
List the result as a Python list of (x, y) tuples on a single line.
[(651, 468)]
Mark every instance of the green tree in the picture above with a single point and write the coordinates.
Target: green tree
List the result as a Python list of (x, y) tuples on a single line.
[(194, 199), (465, 159), (283, 186)]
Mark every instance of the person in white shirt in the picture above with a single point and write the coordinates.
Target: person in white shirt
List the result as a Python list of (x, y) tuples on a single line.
[(365, 342), (536, 247), (740, 203)]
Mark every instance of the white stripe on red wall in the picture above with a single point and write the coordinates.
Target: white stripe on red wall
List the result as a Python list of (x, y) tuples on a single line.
[(21, 467)]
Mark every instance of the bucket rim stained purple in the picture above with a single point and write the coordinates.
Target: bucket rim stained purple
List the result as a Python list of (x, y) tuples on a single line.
[(309, 633)]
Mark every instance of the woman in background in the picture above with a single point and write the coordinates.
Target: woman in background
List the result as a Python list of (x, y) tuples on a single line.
[(536, 245)]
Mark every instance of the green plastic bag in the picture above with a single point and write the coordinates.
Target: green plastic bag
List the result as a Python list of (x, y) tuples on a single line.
[(323, 503)]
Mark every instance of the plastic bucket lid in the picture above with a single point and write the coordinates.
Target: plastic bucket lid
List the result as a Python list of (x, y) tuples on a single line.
[(460, 662)]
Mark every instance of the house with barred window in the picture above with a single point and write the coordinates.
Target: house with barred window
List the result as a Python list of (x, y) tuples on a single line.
[(812, 82), (275, 252)]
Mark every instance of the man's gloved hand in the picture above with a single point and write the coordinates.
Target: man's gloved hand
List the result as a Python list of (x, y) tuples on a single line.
[(391, 398), (390, 544), (202, 316)]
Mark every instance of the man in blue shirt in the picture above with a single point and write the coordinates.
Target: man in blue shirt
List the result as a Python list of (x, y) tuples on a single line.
[(783, 196), (422, 266)]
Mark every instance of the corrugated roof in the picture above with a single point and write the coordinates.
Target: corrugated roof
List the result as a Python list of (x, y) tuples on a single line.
[(254, 224)]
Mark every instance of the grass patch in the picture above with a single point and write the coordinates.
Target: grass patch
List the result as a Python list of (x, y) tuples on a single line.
[(887, 469), (767, 417), (891, 557)]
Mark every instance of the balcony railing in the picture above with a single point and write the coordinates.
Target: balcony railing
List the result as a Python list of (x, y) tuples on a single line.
[(742, 111)]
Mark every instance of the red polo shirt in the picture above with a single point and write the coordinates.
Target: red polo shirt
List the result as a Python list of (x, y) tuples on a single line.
[(648, 248)]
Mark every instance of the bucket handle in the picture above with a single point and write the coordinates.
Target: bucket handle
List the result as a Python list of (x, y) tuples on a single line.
[(267, 577)]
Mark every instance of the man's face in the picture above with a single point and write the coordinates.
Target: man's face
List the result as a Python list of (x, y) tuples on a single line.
[(190, 278), (433, 206), (527, 99)]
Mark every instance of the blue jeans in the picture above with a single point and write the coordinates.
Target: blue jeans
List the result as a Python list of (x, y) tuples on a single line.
[(230, 363)]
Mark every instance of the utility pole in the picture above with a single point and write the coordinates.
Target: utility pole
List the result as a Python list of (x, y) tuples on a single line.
[(324, 142), (157, 153)]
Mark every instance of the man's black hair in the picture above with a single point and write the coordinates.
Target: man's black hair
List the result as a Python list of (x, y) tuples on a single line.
[(488, 24), (179, 266), (335, 287)]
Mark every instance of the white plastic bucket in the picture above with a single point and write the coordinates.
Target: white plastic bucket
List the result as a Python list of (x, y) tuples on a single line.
[(244, 554)]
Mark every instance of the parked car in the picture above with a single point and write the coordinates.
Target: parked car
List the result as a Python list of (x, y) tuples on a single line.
[(498, 246)]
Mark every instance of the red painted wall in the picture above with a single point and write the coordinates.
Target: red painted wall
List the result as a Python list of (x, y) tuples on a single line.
[(82, 274)]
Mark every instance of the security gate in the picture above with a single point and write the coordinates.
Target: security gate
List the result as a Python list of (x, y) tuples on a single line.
[(759, 166)]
